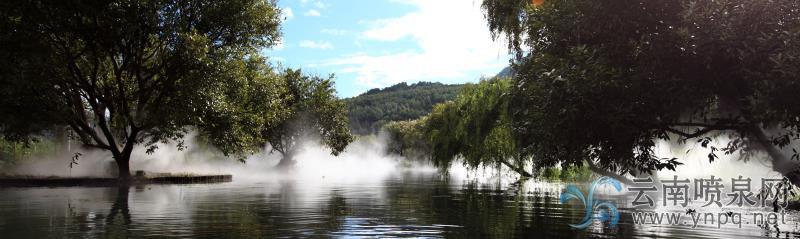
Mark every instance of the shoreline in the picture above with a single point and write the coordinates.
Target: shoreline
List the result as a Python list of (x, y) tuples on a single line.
[(31, 181)]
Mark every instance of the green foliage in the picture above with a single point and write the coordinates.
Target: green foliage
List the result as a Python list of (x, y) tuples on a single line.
[(603, 80), (572, 174), (13, 151), (124, 73), (576, 174), (368, 112), (311, 109), (550, 174), (475, 127), (407, 138), (251, 100)]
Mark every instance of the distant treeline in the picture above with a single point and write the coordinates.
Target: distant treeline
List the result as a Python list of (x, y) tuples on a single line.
[(368, 112)]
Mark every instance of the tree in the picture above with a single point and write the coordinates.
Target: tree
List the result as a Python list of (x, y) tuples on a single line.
[(407, 138), (475, 127), (601, 81), (312, 110), (124, 73)]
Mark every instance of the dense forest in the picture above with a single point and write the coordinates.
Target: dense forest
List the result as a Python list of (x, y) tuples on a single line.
[(369, 111)]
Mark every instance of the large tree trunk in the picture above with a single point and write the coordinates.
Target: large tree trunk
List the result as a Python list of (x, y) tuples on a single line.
[(123, 160), (287, 161), (780, 163), (123, 165)]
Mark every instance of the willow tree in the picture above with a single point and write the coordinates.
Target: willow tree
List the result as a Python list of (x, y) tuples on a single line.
[(124, 73), (312, 111), (474, 128), (604, 80)]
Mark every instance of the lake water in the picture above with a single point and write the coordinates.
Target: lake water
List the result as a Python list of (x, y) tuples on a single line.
[(403, 205)]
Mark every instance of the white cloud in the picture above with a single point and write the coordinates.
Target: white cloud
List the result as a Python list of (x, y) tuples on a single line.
[(287, 13), (335, 32), (453, 40), (316, 44), (312, 13)]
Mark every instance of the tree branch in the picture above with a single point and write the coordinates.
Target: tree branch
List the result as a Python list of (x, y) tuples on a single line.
[(519, 170), (702, 128), (607, 173)]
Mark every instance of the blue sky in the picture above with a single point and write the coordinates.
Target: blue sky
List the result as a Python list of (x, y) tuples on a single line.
[(378, 43)]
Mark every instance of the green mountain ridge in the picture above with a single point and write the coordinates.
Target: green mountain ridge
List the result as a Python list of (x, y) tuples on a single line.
[(369, 111)]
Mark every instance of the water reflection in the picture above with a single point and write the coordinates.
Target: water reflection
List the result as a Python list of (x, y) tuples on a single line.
[(118, 220), (407, 205), (120, 207)]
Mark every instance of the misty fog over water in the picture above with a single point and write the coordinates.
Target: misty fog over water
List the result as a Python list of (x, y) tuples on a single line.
[(361, 193)]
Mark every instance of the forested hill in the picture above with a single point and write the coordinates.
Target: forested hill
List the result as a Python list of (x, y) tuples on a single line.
[(506, 72), (371, 110)]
